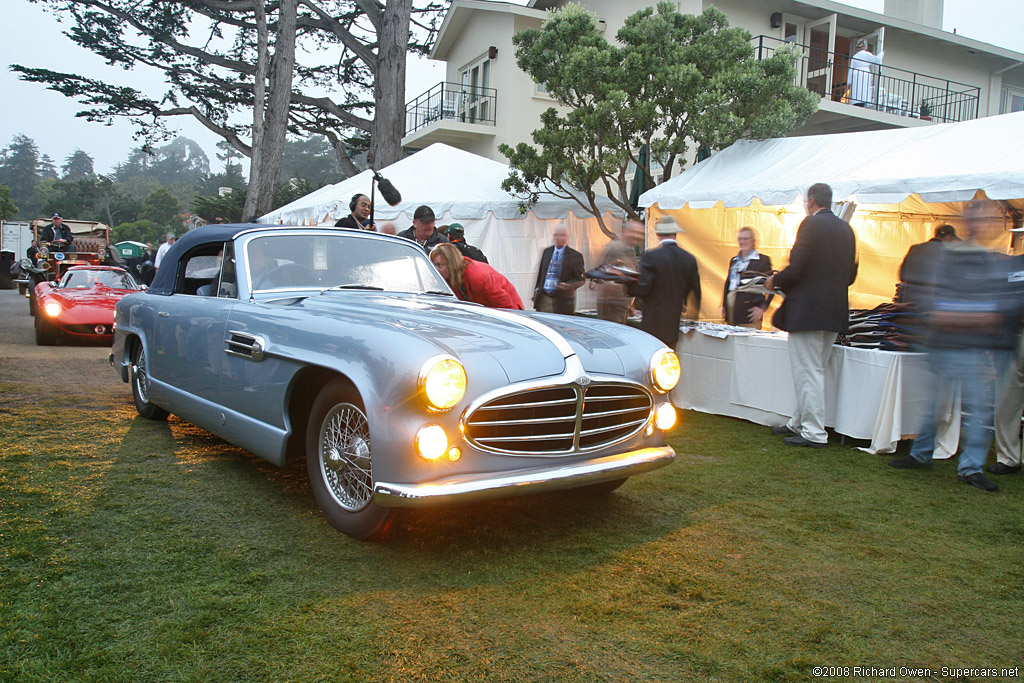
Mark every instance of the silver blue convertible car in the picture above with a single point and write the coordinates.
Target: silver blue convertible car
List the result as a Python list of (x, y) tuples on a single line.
[(348, 348)]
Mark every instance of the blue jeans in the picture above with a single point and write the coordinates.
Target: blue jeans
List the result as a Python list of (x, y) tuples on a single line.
[(975, 370)]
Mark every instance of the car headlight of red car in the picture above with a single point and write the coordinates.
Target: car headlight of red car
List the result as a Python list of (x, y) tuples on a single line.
[(52, 309)]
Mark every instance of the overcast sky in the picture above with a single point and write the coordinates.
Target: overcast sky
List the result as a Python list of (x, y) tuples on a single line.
[(32, 37)]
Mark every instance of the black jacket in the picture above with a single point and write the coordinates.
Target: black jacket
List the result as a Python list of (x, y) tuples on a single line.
[(52, 233), (822, 266), (436, 238), (469, 251), (745, 301), (668, 276)]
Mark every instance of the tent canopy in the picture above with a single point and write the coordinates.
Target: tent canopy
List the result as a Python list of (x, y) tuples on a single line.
[(449, 180), (942, 163)]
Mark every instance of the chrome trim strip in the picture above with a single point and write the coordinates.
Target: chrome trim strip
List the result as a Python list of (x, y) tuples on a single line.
[(535, 421), (471, 487), (610, 413), (613, 428), (508, 406), (543, 437)]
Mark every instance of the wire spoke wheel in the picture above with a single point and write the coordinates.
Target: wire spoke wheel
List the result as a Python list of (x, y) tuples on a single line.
[(345, 461), (139, 375)]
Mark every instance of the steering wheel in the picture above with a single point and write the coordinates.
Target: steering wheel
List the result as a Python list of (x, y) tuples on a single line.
[(289, 274)]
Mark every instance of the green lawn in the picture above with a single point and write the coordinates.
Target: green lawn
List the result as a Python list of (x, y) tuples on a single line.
[(141, 551)]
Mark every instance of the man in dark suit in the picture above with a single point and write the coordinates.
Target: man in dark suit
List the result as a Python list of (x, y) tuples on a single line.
[(668, 276), (822, 266), (559, 276), (58, 235), (359, 217)]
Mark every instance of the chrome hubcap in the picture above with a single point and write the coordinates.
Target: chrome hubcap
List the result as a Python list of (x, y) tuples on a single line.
[(345, 460)]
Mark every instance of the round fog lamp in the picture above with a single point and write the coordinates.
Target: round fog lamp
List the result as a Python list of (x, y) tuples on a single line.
[(431, 442), (52, 309), (665, 417)]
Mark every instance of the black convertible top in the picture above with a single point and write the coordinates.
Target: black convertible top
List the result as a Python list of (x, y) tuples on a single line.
[(163, 283)]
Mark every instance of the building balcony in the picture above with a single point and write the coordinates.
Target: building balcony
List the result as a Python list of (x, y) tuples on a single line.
[(451, 113), (884, 89)]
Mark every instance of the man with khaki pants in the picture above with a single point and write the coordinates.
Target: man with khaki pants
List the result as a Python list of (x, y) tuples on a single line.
[(1009, 406)]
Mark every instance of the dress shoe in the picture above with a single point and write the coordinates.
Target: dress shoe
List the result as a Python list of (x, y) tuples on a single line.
[(1000, 468), (980, 481), (801, 441), (783, 430), (909, 462)]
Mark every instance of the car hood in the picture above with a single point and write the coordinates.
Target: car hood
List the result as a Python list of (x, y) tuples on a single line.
[(468, 329), (91, 296)]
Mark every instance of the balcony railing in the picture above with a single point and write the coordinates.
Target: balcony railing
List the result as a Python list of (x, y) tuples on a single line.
[(451, 102), (892, 90)]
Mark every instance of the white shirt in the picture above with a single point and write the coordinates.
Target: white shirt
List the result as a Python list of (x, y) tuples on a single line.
[(160, 254)]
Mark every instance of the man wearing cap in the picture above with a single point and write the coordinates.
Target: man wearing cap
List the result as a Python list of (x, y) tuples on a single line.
[(163, 250), (822, 266), (667, 277), (457, 236), (559, 276), (423, 231), (57, 234)]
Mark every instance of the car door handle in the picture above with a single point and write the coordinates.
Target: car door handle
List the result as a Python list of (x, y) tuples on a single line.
[(164, 314)]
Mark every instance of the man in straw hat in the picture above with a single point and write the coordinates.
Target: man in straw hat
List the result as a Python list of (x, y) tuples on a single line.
[(668, 276)]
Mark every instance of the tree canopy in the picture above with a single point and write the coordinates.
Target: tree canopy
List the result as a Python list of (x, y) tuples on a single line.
[(78, 164), (232, 66), (672, 81)]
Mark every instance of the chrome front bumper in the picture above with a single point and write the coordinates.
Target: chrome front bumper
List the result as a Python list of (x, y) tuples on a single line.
[(472, 487)]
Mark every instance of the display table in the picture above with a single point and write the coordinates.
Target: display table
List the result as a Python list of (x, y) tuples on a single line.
[(869, 394)]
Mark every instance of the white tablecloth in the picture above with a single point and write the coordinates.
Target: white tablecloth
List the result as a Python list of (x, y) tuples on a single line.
[(869, 394)]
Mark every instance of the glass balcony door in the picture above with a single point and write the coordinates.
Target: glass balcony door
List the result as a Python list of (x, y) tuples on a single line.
[(474, 105), (821, 44)]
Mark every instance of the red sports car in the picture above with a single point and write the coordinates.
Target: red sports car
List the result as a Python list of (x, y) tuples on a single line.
[(81, 305)]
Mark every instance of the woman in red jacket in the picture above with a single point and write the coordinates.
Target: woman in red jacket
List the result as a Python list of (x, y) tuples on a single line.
[(474, 281)]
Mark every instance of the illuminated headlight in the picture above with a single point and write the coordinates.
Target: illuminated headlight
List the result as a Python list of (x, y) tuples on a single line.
[(665, 369), (52, 309), (665, 417), (443, 382), (431, 442)]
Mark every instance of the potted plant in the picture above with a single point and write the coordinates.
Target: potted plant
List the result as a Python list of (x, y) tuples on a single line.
[(925, 111)]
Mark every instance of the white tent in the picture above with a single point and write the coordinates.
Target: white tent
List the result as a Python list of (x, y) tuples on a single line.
[(903, 183), (465, 188)]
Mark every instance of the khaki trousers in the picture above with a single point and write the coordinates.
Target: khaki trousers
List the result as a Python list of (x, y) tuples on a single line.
[(1009, 406), (809, 352)]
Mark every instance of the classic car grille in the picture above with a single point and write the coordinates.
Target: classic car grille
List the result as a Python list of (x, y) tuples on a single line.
[(559, 419)]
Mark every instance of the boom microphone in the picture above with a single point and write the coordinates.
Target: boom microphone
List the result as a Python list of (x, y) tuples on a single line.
[(391, 195)]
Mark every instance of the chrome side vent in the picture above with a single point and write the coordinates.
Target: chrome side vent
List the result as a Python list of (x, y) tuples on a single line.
[(243, 345)]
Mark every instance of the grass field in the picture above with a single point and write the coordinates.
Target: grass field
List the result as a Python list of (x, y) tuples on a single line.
[(144, 551)]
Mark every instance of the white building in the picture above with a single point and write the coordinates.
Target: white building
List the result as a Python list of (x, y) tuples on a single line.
[(486, 100)]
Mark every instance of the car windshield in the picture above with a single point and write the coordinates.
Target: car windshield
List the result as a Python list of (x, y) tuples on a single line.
[(326, 261), (83, 279)]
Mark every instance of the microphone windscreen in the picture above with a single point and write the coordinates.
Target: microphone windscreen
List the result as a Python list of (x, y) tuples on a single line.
[(391, 195)]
